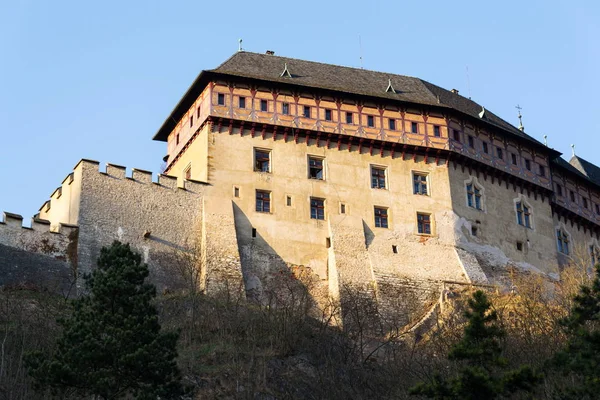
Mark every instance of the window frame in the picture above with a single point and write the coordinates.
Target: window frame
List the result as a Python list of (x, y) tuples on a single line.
[(392, 124), (264, 200), (437, 131), (320, 159), (471, 141), (421, 183), (381, 217), (306, 111), (220, 99), (328, 114), (524, 214), (285, 108), (376, 184), (424, 223), (269, 160), (475, 195), (349, 117), (563, 241), (500, 153), (414, 127), (370, 121), (265, 103), (242, 102), (317, 207)]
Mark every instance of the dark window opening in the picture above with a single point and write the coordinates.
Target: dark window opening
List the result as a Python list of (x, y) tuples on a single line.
[(370, 121), (342, 208), (572, 194), (262, 160), (328, 115), (542, 170), (317, 208), (514, 158), (378, 178), (597, 209), (253, 232), (191, 121), (414, 127), (585, 203), (528, 165), (395, 249), (198, 112), (456, 135), (436, 131), (499, 153), (520, 246), (424, 224), (474, 231), (285, 108), (471, 142), (177, 139), (328, 242), (381, 217), (306, 111), (236, 192), (349, 118), (264, 105), (242, 102), (288, 201), (315, 168), (221, 99), (485, 147), (559, 190), (523, 215), (392, 124)]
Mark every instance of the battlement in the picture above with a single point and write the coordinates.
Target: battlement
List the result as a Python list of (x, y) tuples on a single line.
[(14, 222)]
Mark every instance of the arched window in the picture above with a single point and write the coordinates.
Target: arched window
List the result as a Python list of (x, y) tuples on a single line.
[(524, 214), (475, 197), (563, 241)]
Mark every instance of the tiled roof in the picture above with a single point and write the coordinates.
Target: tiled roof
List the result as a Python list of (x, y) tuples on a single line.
[(348, 80), (358, 81), (588, 169)]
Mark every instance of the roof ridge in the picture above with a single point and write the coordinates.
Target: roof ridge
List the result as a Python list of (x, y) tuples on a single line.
[(315, 62)]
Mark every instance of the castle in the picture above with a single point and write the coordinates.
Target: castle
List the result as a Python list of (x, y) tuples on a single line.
[(365, 179)]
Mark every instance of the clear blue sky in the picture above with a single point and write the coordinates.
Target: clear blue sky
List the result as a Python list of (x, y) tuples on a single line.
[(96, 79)]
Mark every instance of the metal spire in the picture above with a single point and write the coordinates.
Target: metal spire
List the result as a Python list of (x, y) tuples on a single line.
[(573, 149), (240, 45), (546, 140), (521, 127)]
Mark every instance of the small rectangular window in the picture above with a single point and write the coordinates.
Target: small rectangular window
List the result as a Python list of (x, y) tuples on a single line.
[(562, 240), (597, 209), (288, 201), (473, 231), (471, 142), (520, 246), (221, 99), (474, 196), (523, 215), (420, 183), (315, 168), (485, 147), (585, 202), (572, 195), (499, 153), (424, 223), (177, 139), (378, 180), (370, 121), (264, 105), (342, 208), (236, 191), (253, 232), (456, 135), (514, 158), (528, 165), (242, 102), (262, 160), (395, 249), (542, 170), (327, 242), (306, 112), (191, 121), (392, 124), (198, 112), (263, 201), (285, 108), (559, 191), (349, 118), (436, 131), (317, 208), (381, 217), (328, 115), (414, 127)]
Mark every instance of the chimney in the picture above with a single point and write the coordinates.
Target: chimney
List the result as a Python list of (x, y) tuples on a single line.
[(270, 52), (454, 91)]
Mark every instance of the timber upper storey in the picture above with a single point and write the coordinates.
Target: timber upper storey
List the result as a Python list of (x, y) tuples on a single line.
[(357, 109)]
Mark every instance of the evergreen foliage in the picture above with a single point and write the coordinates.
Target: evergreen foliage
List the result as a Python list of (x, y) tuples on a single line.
[(112, 345), (581, 356), (482, 368)]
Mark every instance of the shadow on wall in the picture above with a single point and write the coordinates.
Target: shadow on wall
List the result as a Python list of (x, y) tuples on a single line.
[(369, 234), (268, 278)]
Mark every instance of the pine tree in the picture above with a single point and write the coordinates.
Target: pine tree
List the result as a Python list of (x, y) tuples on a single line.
[(481, 375), (581, 356), (112, 345)]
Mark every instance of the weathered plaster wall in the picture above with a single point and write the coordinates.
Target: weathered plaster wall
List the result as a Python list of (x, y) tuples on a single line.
[(497, 230)]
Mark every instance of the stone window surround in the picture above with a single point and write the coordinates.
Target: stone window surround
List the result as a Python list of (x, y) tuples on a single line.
[(427, 182), (561, 227), (521, 198), (475, 182)]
